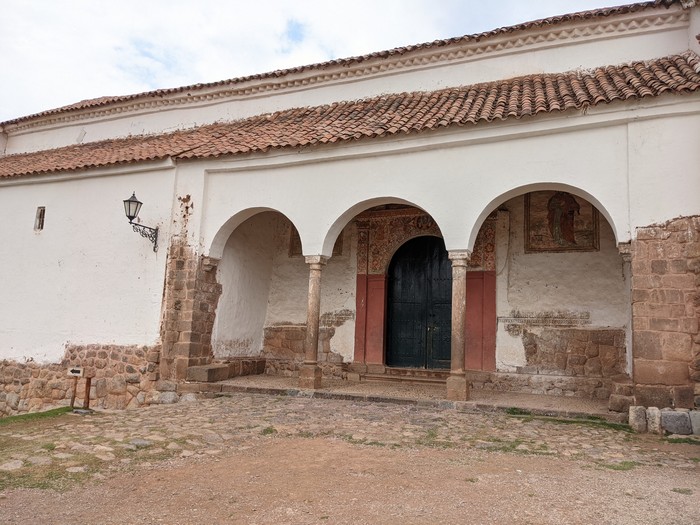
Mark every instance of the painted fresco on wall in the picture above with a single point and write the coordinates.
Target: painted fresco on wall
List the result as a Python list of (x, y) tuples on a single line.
[(557, 221), (382, 232), (483, 256)]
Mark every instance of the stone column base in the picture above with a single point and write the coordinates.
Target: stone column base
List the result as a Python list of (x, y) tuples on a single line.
[(457, 387), (310, 377)]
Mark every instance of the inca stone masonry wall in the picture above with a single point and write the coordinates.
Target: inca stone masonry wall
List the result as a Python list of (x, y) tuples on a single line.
[(191, 297), (283, 351), (121, 378), (666, 309), (574, 352)]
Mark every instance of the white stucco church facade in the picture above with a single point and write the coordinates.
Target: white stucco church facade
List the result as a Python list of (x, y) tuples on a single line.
[(515, 210)]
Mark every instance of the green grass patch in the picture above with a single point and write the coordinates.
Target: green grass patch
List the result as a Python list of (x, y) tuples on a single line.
[(45, 479), (34, 416), (353, 440), (431, 439), (621, 466), (685, 441), (590, 422), (268, 431), (511, 446), (53, 476), (686, 492), (501, 445)]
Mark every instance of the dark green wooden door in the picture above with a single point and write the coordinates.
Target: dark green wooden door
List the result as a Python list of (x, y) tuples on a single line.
[(419, 305)]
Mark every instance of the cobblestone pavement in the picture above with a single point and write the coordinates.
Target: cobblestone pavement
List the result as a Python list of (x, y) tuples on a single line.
[(91, 445)]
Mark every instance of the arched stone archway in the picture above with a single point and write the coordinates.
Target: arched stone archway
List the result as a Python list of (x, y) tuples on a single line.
[(619, 225), (563, 296), (380, 232), (245, 274), (262, 311)]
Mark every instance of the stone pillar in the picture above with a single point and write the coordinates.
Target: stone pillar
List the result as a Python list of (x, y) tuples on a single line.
[(361, 295), (310, 373), (457, 385)]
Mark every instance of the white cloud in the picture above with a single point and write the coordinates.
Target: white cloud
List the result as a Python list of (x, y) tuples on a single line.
[(54, 53)]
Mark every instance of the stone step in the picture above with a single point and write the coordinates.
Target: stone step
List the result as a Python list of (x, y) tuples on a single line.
[(417, 372), (620, 403), (395, 378), (208, 373)]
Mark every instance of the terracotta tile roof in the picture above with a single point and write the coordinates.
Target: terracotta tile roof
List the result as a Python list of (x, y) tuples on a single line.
[(382, 116), (478, 37)]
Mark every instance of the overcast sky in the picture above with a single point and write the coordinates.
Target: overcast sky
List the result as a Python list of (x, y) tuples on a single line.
[(56, 52)]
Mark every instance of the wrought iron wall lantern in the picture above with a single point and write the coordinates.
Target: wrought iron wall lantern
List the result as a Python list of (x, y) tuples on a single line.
[(131, 207)]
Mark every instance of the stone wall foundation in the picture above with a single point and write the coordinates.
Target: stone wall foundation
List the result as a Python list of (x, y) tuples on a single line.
[(121, 377), (283, 351)]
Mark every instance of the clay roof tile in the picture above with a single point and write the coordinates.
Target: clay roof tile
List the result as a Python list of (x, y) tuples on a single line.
[(146, 97), (378, 117)]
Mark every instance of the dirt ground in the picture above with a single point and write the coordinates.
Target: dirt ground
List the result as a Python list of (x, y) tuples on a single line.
[(306, 481), (260, 476)]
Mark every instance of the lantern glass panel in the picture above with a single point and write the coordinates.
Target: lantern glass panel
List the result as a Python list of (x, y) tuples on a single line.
[(131, 207)]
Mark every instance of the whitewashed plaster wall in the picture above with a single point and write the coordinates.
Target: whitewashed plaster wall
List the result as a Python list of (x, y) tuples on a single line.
[(290, 286), (245, 272), (86, 278), (610, 157), (664, 168), (457, 184), (569, 46), (565, 284)]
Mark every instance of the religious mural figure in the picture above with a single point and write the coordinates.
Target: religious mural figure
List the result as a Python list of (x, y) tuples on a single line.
[(556, 221), (562, 208)]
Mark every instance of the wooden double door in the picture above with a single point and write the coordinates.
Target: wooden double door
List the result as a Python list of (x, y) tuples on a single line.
[(419, 305)]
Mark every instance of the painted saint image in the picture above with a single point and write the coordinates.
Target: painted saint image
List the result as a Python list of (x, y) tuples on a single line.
[(562, 208)]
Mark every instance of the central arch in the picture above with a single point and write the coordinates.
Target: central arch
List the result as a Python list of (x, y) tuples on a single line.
[(419, 305)]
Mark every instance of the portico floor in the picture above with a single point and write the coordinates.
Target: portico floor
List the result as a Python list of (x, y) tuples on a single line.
[(412, 393)]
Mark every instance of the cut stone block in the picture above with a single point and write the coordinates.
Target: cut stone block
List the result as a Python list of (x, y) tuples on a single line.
[(676, 422), (653, 396), (683, 396), (695, 421), (208, 373), (618, 403), (168, 398), (654, 420), (638, 419)]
